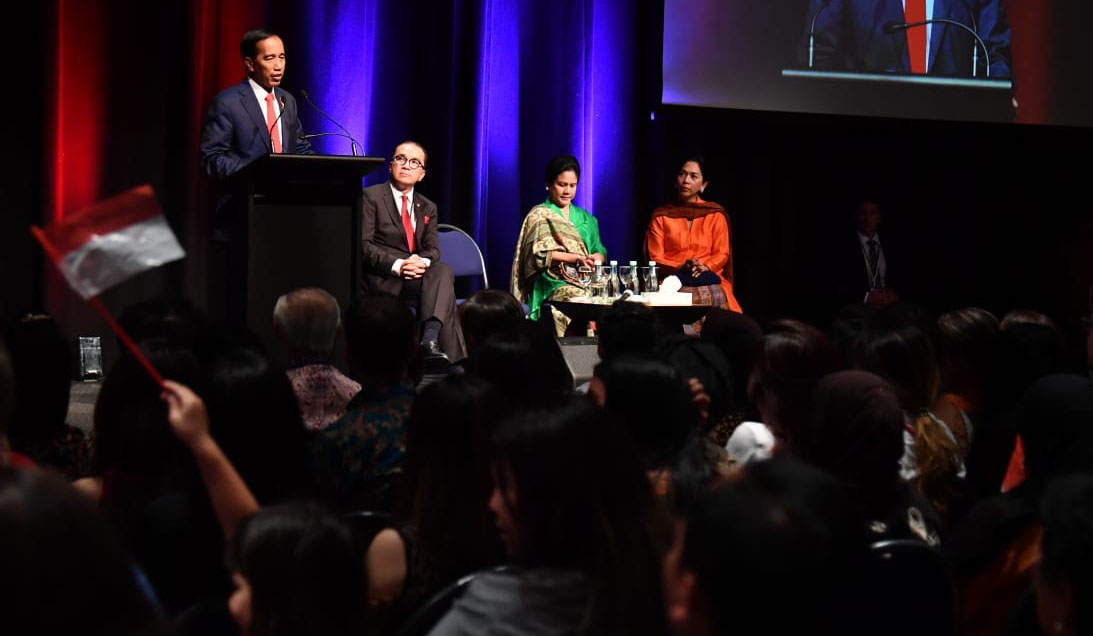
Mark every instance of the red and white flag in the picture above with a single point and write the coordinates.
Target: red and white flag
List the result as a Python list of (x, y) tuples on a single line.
[(110, 242)]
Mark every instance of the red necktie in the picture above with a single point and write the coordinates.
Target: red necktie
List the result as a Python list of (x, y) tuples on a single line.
[(271, 123), (915, 11), (409, 227)]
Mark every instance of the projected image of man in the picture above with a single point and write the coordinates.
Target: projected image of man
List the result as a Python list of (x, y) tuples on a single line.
[(932, 37)]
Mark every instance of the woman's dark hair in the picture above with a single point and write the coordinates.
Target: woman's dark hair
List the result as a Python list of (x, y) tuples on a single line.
[(627, 327), (654, 403), (64, 569), (380, 335), (255, 418), (525, 365), (130, 419), (583, 501), (445, 487), (775, 551), (740, 340), (306, 576), (703, 361), (901, 352), (794, 357), (1055, 420), (560, 164), (966, 343), (42, 361), (856, 434), (488, 312), (700, 160), (1067, 545)]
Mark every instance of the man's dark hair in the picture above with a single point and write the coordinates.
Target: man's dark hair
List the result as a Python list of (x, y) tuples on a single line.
[(248, 46), (379, 333)]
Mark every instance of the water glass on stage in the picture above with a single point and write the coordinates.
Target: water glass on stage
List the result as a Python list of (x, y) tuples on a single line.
[(625, 281)]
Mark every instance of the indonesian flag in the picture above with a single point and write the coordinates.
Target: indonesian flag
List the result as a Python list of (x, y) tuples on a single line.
[(110, 242)]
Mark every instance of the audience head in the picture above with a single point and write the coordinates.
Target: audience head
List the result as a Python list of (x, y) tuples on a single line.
[(901, 352), (255, 418), (489, 312), (296, 571), (740, 340), (307, 321), (652, 401), (42, 362), (1028, 317), (1055, 421), (775, 549), (130, 419), (526, 366), (570, 492), (691, 179), (856, 434), (794, 357), (967, 338), (381, 337), (64, 568), (176, 322), (704, 362), (1025, 352), (627, 327), (1064, 577), (445, 486)]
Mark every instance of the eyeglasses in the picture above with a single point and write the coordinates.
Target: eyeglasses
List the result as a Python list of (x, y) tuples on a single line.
[(403, 161)]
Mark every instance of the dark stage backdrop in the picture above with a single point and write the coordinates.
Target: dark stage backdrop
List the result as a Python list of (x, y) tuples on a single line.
[(115, 94)]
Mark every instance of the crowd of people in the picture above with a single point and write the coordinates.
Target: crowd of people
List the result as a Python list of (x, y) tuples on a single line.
[(738, 481)]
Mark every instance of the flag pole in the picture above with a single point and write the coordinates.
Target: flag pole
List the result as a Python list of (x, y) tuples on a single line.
[(97, 304)]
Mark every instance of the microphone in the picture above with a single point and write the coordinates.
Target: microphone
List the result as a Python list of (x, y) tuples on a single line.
[(352, 142), (891, 28), (812, 30)]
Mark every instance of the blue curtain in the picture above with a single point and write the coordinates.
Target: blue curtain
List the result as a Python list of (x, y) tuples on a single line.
[(493, 89)]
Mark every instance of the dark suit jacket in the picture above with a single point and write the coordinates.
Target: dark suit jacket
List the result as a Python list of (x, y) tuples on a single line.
[(235, 134), (850, 36), (383, 239), (847, 276)]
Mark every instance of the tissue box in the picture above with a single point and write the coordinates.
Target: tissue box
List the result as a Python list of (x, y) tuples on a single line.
[(662, 299)]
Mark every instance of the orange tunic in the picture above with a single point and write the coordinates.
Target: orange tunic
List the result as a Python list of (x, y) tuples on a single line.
[(669, 241)]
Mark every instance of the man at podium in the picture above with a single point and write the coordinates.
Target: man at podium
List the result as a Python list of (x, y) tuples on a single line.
[(256, 117), (888, 36)]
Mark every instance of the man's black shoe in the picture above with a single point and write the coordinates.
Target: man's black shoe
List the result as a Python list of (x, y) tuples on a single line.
[(434, 359)]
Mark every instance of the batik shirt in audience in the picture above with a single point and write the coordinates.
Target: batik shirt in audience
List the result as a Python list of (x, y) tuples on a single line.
[(322, 392), (355, 459)]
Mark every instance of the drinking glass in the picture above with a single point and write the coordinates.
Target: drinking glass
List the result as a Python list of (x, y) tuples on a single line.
[(649, 280), (625, 282), (584, 276)]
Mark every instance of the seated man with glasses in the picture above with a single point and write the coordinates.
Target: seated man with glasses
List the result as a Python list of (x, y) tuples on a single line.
[(400, 252)]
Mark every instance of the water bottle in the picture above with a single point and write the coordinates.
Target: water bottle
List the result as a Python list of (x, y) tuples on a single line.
[(634, 277), (651, 284), (613, 280)]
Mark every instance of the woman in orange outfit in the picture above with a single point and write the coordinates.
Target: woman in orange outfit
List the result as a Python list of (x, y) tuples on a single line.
[(691, 239)]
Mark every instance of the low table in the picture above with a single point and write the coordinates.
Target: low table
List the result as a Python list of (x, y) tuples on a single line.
[(672, 317)]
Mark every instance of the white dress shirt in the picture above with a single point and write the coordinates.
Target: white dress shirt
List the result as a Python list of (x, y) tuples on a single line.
[(260, 94), (396, 267)]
